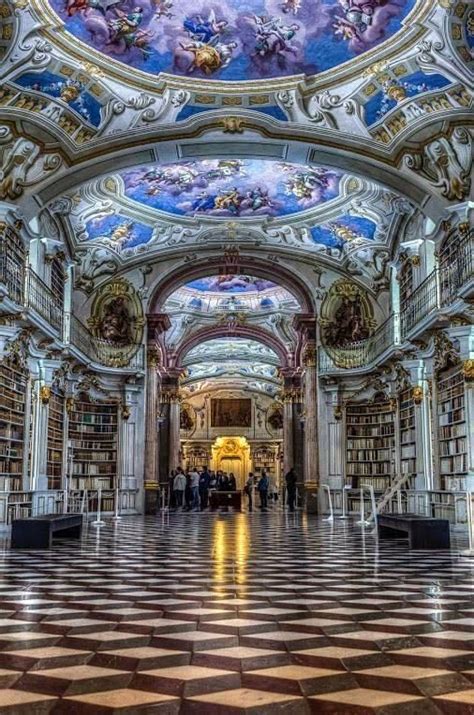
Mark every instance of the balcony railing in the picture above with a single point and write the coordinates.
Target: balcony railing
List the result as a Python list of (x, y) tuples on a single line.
[(103, 351), (457, 269), (362, 352), (422, 302), (40, 298), (13, 278)]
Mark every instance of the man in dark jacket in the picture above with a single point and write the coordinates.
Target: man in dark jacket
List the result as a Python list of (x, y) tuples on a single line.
[(290, 479), (204, 480)]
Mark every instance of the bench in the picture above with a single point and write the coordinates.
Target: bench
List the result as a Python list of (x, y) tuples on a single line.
[(225, 499), (36, 532), (423, 532)]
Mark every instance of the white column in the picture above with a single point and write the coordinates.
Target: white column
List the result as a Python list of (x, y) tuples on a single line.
[(174, 425), (288, 445), (151, 419), (311, 456)]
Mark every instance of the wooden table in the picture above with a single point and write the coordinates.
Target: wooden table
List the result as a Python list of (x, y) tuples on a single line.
[(36, 532), (226, 499), (423, 532)]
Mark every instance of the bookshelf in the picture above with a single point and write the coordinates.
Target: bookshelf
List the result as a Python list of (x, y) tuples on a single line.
[(452, 428), (263, 460), (13, 382), (405, 280), (369, 444), (55, 459), (407, 436), (93, 432)]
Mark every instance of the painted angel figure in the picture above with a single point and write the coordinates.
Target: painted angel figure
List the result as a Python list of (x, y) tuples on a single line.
[(291, 6), (75, 6), (125, 23), (205, 31), (163, 8), (272, 36)]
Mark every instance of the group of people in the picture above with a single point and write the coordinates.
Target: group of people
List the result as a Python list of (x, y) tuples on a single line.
[(190, 490)]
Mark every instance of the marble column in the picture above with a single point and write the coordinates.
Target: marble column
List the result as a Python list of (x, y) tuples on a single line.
[(174, 425), (288, 429), (305, 325), (157, 324), (311, 455), (151, 417)]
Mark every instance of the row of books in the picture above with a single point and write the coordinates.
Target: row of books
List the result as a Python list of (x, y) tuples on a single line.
[(369, 419), (449, 417), (457, 430), (372, 468), (378, 483), (451, 404), (453, 465), (104, 456), (86, 468), (369, 443), (368, 455), (454, 446), (363, 431)]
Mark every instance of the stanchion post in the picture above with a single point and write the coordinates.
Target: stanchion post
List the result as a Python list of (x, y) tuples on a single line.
[(116, 516), (470, 525), (362, 521), (331, 510), (344, 504), (98, 521)]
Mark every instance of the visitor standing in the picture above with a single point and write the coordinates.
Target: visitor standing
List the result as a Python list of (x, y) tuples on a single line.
[(194, 486), (290, 479), (179, 486), (232, 483), (204, 482), (248, 490), (262, 487)]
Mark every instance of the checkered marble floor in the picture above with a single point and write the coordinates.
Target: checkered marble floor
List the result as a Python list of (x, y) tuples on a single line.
[(235, 613)]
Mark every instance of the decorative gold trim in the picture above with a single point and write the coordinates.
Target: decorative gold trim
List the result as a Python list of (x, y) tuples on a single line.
[(468, 370), (45, 394), (417, 394)]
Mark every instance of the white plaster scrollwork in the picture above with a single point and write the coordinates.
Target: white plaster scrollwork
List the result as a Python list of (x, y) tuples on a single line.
[(433, 57), (446, 164), (22, 164)]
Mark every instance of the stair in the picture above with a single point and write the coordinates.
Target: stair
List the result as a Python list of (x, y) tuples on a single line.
[(397, 484)]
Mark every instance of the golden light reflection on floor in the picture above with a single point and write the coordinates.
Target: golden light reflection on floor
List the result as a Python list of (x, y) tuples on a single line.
[(230, 549)]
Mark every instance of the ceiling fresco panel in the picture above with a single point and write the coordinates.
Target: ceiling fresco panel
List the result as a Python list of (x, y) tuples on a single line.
[(233, 39)]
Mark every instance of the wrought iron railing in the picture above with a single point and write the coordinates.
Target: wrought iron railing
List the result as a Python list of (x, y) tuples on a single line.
[(423, 301), (362, 352), (13, 278), (102, 351), (40, 298), (457, 269)]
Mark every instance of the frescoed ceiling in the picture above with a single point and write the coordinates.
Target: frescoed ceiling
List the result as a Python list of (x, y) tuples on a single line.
[(232, 359), (233, 40), (230, 284), (232, 187)]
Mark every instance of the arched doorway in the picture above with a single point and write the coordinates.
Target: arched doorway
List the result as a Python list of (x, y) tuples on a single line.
[(232, 454)]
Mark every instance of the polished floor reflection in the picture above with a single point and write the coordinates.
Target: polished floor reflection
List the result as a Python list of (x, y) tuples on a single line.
[(235, 613)]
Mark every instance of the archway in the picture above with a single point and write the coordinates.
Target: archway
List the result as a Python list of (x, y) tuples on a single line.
[(232, 455)]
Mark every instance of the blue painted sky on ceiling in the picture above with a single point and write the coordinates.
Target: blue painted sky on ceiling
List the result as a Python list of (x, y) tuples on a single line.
[(233, 39), (120, 232), (231, 187), (70, 92), (344, 230), (230, 284), (381, 103)]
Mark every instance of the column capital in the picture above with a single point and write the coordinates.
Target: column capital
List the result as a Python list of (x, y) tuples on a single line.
[(157, 323), (305, 324)]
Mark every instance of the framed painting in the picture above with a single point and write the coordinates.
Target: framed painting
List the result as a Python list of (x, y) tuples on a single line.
[(231, 412)]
